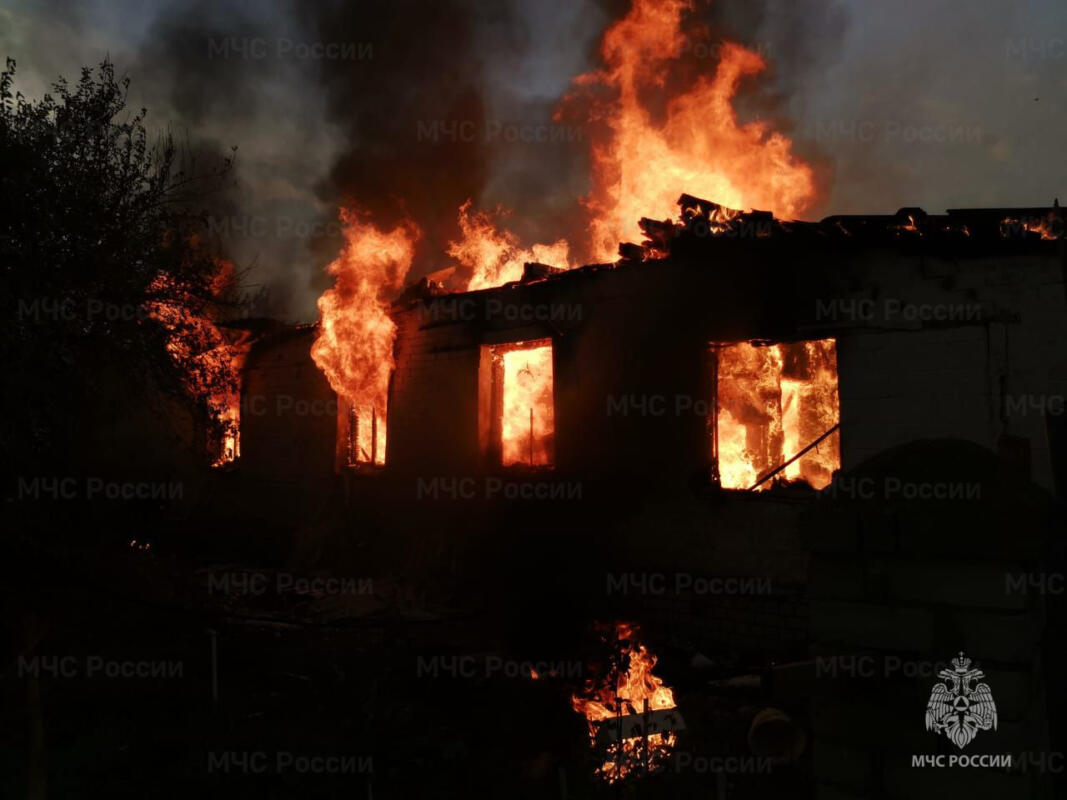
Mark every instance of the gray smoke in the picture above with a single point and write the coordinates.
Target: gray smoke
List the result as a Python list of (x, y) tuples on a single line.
[(404, 107)]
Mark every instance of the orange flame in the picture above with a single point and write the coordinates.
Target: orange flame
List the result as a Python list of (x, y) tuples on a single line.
[(354, 346), (230, 414), (493, 255), (1048, 227), (642, 160), (621, 693), (643, 164), (528, 422), (210, 364), (774, 401), (227, 404)]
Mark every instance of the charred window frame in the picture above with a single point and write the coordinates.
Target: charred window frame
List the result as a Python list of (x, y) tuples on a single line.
[(516, 404), (361, 431), (775, 413)]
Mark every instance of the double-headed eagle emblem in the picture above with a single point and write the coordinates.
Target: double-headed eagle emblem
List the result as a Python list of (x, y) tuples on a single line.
[(957, 707)]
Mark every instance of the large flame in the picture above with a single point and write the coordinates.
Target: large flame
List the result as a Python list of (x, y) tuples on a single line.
[(773, 401), (642, 159), (622, 691), (695, 145), (354, 346)]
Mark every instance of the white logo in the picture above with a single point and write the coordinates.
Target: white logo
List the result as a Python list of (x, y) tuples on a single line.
[(962, 710)]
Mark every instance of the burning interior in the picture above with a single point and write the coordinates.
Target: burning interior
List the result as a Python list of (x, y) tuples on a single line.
[(583, 359), (777, 413), (354, 345), (517, 415), (484, 443), (773, 344)]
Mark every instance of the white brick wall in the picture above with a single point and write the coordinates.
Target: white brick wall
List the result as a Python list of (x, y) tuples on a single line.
[(901, 386)]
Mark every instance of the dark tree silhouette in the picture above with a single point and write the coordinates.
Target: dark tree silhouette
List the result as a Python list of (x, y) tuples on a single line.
[(110, 285)]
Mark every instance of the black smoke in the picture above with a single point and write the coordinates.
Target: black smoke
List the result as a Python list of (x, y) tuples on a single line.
[(409, 113), (872, 93), (417, 107)]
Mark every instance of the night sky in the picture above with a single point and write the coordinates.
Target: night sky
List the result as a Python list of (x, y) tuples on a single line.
[(919, 102)]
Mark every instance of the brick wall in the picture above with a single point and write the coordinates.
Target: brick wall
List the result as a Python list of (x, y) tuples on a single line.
[(731, 573), (289, 411), (899, 587), (433, 401), (896, 387), (755, 627), (983, 365)]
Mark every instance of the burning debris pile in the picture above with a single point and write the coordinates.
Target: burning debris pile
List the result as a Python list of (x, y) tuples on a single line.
[(960, 225), (642, 159), (1048, 226), (624, 705)]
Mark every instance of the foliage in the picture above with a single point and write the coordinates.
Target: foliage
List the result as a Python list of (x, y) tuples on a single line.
[(111, 284)]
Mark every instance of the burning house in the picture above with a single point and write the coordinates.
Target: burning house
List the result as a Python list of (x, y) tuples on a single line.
[(795, 444), (693, 406), (753, 354), (604, 463)]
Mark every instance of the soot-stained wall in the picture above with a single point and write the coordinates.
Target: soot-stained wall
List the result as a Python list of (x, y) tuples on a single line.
[(958, 345), (288, 411)]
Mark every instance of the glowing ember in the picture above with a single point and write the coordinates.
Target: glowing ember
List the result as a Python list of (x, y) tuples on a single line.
[(494, 255), (623, 690), (1048, 227), (911, 226), (773, 402), (355, 342), (645, 160), (527, 421)]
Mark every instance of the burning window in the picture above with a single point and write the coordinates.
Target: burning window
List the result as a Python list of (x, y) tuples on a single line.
[(230, 420), (517, 416), (364, 436), (777, 413)]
